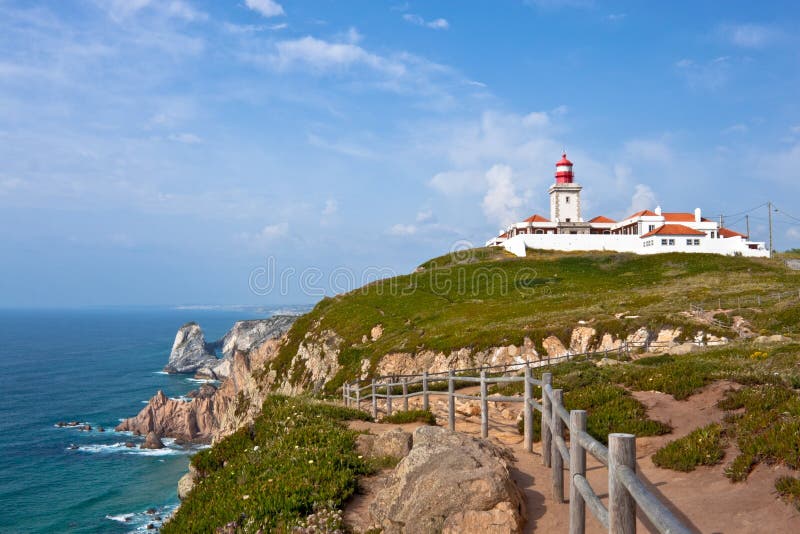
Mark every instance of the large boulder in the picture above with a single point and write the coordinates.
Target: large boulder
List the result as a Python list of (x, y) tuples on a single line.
[(446, 482), (395, 443), (187, 482), (190, 351), (152, 441)]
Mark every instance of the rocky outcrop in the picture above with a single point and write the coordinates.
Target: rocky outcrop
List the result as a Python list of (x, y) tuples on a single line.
[(190, 351), (211, 413), (450, 482), (246, 335), (395, 443), (187, 482), (316, 362), (152, 441)]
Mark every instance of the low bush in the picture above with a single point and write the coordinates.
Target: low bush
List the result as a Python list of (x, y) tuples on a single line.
[(271, 475), (411, 416), (704, 446), (789, 490)]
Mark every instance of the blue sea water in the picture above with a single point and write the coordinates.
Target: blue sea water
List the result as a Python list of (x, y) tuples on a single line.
[(94, 366)]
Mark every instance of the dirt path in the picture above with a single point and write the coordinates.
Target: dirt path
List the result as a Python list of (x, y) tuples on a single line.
[(705, 499)]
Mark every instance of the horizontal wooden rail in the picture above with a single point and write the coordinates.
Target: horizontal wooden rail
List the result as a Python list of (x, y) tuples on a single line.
[(625, 489)]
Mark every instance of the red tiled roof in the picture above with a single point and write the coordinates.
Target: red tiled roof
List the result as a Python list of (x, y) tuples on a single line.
[(504, 235), (601, 219), (727, 232), (678, 217), (674, 229), (643, 213), (536, 218)]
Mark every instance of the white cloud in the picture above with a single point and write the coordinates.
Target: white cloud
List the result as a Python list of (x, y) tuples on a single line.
[(331, 207), (122, 9), (425, 216), (710, 75), (272, 231), (615, 17), (186, 138), (736, 129), (324, 55), (457, 182), (537, 119), (501, 203), (402, 230), (436, 24), (748, 35), (643, 198), (267, 8)]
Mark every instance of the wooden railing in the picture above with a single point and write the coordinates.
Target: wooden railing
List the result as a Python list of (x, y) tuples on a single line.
[(626, 490)]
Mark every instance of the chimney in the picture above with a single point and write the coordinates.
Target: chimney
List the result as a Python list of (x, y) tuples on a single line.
[(697, 217), (658, 211)]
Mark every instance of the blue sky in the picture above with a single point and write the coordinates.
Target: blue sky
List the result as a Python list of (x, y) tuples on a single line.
[(174, 151)]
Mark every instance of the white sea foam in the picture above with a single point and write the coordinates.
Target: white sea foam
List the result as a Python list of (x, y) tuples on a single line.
[(183, 398), (202, 380), (120, 448), (160, 373)]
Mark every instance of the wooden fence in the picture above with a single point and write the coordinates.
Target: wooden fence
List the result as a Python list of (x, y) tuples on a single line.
[(625, 489)]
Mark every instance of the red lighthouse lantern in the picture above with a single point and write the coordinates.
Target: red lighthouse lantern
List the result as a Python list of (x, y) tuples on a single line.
[(564, 170)]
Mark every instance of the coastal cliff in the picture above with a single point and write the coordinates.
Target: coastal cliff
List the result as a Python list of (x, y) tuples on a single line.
[(190, 350)]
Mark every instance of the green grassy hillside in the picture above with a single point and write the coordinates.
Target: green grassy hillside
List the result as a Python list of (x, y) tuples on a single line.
[(485, 297)]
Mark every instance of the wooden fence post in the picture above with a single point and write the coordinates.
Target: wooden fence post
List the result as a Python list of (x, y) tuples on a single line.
[(577, 466), (374, 400), (345, 395), (425, 401), (389, 398), (527, 414), (451, 401), (621, 506), (358, 394), (557, 461), (484, 407), (405, 394), (547, 379)]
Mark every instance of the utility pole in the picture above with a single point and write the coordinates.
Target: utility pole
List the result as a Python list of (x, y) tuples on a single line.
[(769, 206), (721, 220), (747, 220)]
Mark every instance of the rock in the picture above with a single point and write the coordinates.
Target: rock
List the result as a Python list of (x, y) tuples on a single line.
[(130, 444), (608, 343), (395, 443), (499, 520), (185, 485), (793, 264), (640, 337), (152, 441), (665, 340), (553, 347), (376, 332), (73, 447), (61, 424), (190, 351), (247, 335), (581, 340), (150, 526), (151, 511), (605, 362), (468, 408), (446, 480), (683, 348), (777, 338), (101, 429)]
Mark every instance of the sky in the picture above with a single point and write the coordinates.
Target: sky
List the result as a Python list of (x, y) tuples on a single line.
[(193, 152)]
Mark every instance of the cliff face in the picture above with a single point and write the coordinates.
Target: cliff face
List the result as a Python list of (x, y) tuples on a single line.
[(189, 351), (212, 413)]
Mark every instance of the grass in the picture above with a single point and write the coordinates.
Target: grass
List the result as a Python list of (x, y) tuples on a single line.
[(411, 416), (485, 298), (296, 456), (789, 490), (704, 446)]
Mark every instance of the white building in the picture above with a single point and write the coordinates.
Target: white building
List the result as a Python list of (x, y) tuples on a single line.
[(644, 232)]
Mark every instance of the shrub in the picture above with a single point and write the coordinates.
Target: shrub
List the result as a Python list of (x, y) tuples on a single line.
[(703, 446), (789, 490), (410, 416), (296, 455)]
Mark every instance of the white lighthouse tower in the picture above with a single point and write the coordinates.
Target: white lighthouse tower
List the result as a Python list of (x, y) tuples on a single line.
[(565, 195)]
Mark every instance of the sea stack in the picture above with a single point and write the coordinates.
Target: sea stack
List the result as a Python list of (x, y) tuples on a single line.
[(190, 351)]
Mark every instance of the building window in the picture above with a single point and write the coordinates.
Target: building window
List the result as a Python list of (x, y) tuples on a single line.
[(569, 220), (539, 231), (712, 235), (689, 242), (671, 241), (566, 199), (651, 227), (663, 242), (696, 241)]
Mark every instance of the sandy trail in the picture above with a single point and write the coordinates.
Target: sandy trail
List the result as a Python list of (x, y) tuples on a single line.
[(704, 499)]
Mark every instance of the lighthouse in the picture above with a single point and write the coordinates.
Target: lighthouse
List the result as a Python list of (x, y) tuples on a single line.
[(565, 197)]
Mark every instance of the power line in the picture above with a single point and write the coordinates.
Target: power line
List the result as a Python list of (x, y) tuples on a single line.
[(746, 211), (786, 214)]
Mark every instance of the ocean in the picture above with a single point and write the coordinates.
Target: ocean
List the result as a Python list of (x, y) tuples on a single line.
[(94, 366)]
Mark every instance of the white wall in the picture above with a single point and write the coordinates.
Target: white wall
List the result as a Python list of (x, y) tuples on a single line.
[(517, 245)]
